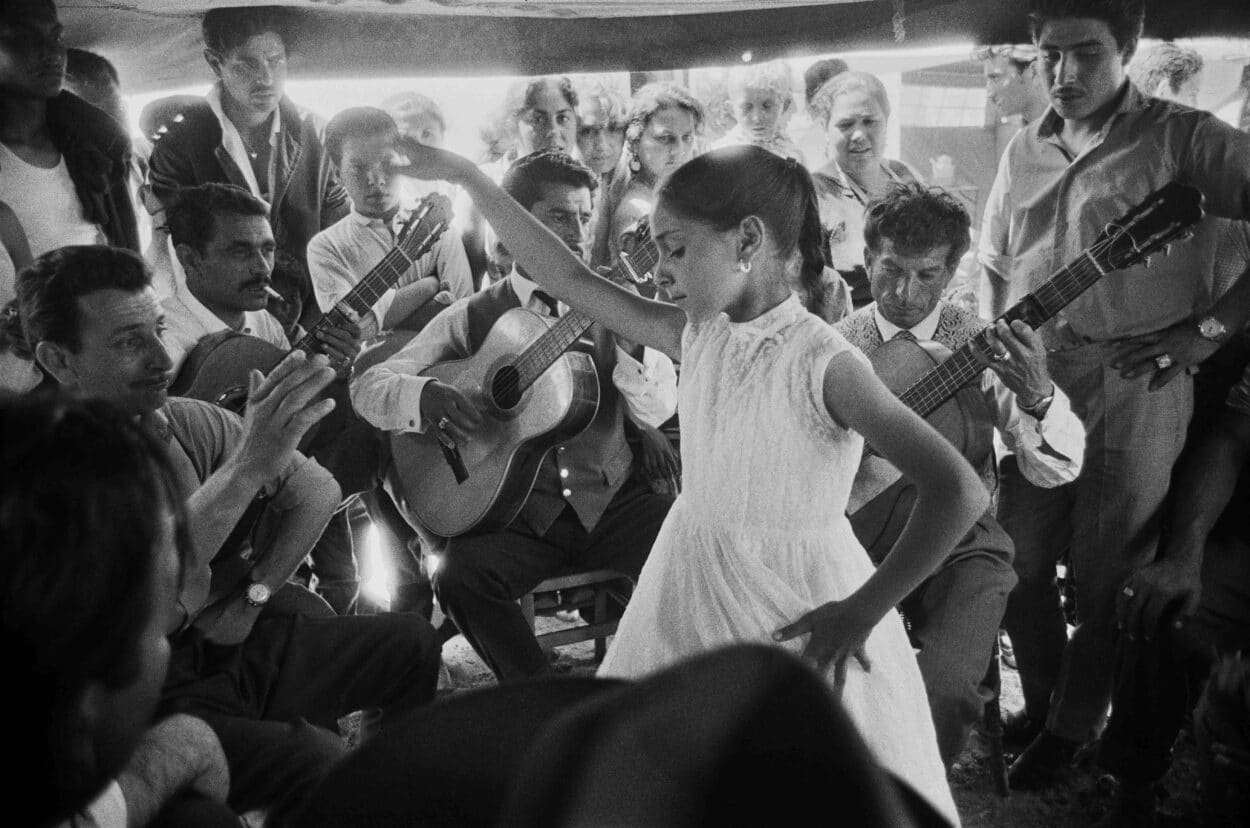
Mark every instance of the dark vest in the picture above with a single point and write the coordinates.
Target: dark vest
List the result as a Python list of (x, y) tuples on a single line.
[(598, 460)]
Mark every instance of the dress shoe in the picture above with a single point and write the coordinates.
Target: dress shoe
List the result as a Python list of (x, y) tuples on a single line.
[(1042, 763), (1020, 729)]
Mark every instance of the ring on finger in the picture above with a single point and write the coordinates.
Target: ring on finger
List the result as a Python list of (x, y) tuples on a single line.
[(1164, 361), (443, 424), (1128, 592), (1005, 356)]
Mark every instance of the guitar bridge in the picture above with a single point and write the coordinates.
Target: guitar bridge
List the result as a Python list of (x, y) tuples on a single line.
[(451, 453)]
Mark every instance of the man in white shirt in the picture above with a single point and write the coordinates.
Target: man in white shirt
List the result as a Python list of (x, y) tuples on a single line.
[(359, 142), (914, 239), (588, 507)]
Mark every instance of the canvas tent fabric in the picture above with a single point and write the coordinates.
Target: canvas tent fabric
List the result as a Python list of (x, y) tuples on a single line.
[(156, 44)]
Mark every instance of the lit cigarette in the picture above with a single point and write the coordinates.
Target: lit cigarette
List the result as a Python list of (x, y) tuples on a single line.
[(274, 293)]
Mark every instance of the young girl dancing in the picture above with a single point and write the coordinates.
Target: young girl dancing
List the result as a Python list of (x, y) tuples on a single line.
[(772, 405)]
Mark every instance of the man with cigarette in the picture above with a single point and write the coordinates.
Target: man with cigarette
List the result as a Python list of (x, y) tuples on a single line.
[(223, 241)]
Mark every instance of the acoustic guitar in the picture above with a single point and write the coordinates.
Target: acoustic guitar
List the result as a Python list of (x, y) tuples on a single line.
[(217, 368), (930, 380), (533, 393)]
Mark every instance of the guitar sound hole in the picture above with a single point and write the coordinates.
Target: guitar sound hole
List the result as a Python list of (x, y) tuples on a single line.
[(505, 387)]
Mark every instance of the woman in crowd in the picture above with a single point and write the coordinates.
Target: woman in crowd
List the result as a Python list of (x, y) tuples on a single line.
[(665, 121), (855, 110)]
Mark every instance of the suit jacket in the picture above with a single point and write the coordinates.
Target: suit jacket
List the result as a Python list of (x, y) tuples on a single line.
[(306, 197)]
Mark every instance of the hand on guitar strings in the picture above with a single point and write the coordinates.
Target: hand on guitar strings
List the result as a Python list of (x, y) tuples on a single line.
[(445, 408), (341, 340), (839, 632), (1019, 359), (280, 409), (1164, 353)]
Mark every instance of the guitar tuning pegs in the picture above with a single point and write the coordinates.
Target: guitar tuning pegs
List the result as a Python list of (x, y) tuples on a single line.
[(1167, 250), (1146, 261)]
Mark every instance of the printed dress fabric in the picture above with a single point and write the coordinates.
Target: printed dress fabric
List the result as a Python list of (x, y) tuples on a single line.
[(758, 535)]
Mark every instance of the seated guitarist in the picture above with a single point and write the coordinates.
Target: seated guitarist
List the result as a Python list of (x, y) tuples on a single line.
[(360, 142), (223, 240), (589, 507), (914, 239)]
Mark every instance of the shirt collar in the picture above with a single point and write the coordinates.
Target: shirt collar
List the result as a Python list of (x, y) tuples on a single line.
[(397, 221), (923, 330), (209, 320), (524, 287), (233, 141)]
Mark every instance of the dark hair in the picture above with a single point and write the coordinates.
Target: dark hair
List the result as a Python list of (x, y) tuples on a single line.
[(526, 179), (724, 186), (1164, 62), (192, 218), (80, 522), (819, 73), (228, 28), (156, 118), (355, 122), (48, 290), (88, 67), (1125, 18), (523, 95), (917, 218)]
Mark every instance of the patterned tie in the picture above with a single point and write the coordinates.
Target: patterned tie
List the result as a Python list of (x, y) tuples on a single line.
[(547, 299), (907, 336)]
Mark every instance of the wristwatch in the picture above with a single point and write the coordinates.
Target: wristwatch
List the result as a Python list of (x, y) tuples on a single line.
[(258, 594), (1212, 329), (1038, 409)]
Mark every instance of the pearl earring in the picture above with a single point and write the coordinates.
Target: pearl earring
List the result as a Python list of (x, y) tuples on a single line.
[(744, 266)]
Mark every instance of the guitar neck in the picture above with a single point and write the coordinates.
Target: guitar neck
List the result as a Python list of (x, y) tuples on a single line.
[(569, 327), (381, 278), (942, 383)]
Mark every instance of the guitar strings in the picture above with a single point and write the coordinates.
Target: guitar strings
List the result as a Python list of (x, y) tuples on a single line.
[(540, 355)]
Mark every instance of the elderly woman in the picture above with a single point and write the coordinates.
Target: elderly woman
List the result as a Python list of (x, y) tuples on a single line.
[(855, 110), (665, 121)]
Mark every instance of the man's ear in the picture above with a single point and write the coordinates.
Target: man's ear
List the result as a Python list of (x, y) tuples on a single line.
[(55, 359), (188, 257), (214, 62)]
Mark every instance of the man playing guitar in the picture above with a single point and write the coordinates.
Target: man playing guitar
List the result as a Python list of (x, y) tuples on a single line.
[(914, 239), (588, 508)]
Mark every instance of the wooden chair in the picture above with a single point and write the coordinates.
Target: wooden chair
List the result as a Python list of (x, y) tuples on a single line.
[(574, 591)]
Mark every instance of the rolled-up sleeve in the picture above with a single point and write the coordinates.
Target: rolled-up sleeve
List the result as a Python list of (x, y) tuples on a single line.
[(649, 388), (1049, 451), (388, 395)]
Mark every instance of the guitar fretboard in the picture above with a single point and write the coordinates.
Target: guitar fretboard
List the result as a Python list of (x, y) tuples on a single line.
[(569, 327), (940, 384), (384, 275)]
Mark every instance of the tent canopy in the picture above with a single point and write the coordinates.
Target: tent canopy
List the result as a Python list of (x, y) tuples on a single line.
[(156, 44)]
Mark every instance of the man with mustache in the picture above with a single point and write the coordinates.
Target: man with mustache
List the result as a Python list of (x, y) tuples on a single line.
[(589, 508), (248, 133), (1121, 351), (223, 241)]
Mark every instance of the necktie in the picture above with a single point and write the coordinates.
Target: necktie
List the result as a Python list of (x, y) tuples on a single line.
[(905, 335), (548, 300)]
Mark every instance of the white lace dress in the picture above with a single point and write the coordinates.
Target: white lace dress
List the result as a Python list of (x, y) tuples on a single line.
[(758, 535)]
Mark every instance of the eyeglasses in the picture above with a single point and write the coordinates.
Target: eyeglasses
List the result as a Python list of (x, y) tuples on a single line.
[(1015, 52)]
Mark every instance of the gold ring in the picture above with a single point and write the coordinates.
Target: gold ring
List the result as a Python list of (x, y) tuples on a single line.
[(1003, 357), (1128, 592), (443, 423), (1164, 361)]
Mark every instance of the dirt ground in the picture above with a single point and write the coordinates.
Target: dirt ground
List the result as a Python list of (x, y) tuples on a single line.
[(1080, 800)]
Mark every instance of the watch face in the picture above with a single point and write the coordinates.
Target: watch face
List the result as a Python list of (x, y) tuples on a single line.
[(1211, 328), (257, 594)]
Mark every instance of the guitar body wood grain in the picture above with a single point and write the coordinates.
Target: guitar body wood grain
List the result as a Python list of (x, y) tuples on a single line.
[(504, 456)]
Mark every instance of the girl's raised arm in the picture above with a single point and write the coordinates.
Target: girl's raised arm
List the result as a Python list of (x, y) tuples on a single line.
[(548, 260), (950, 498)]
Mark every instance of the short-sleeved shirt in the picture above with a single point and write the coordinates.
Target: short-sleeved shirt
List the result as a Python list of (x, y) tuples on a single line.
[(187, 321), (1047, 206)]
